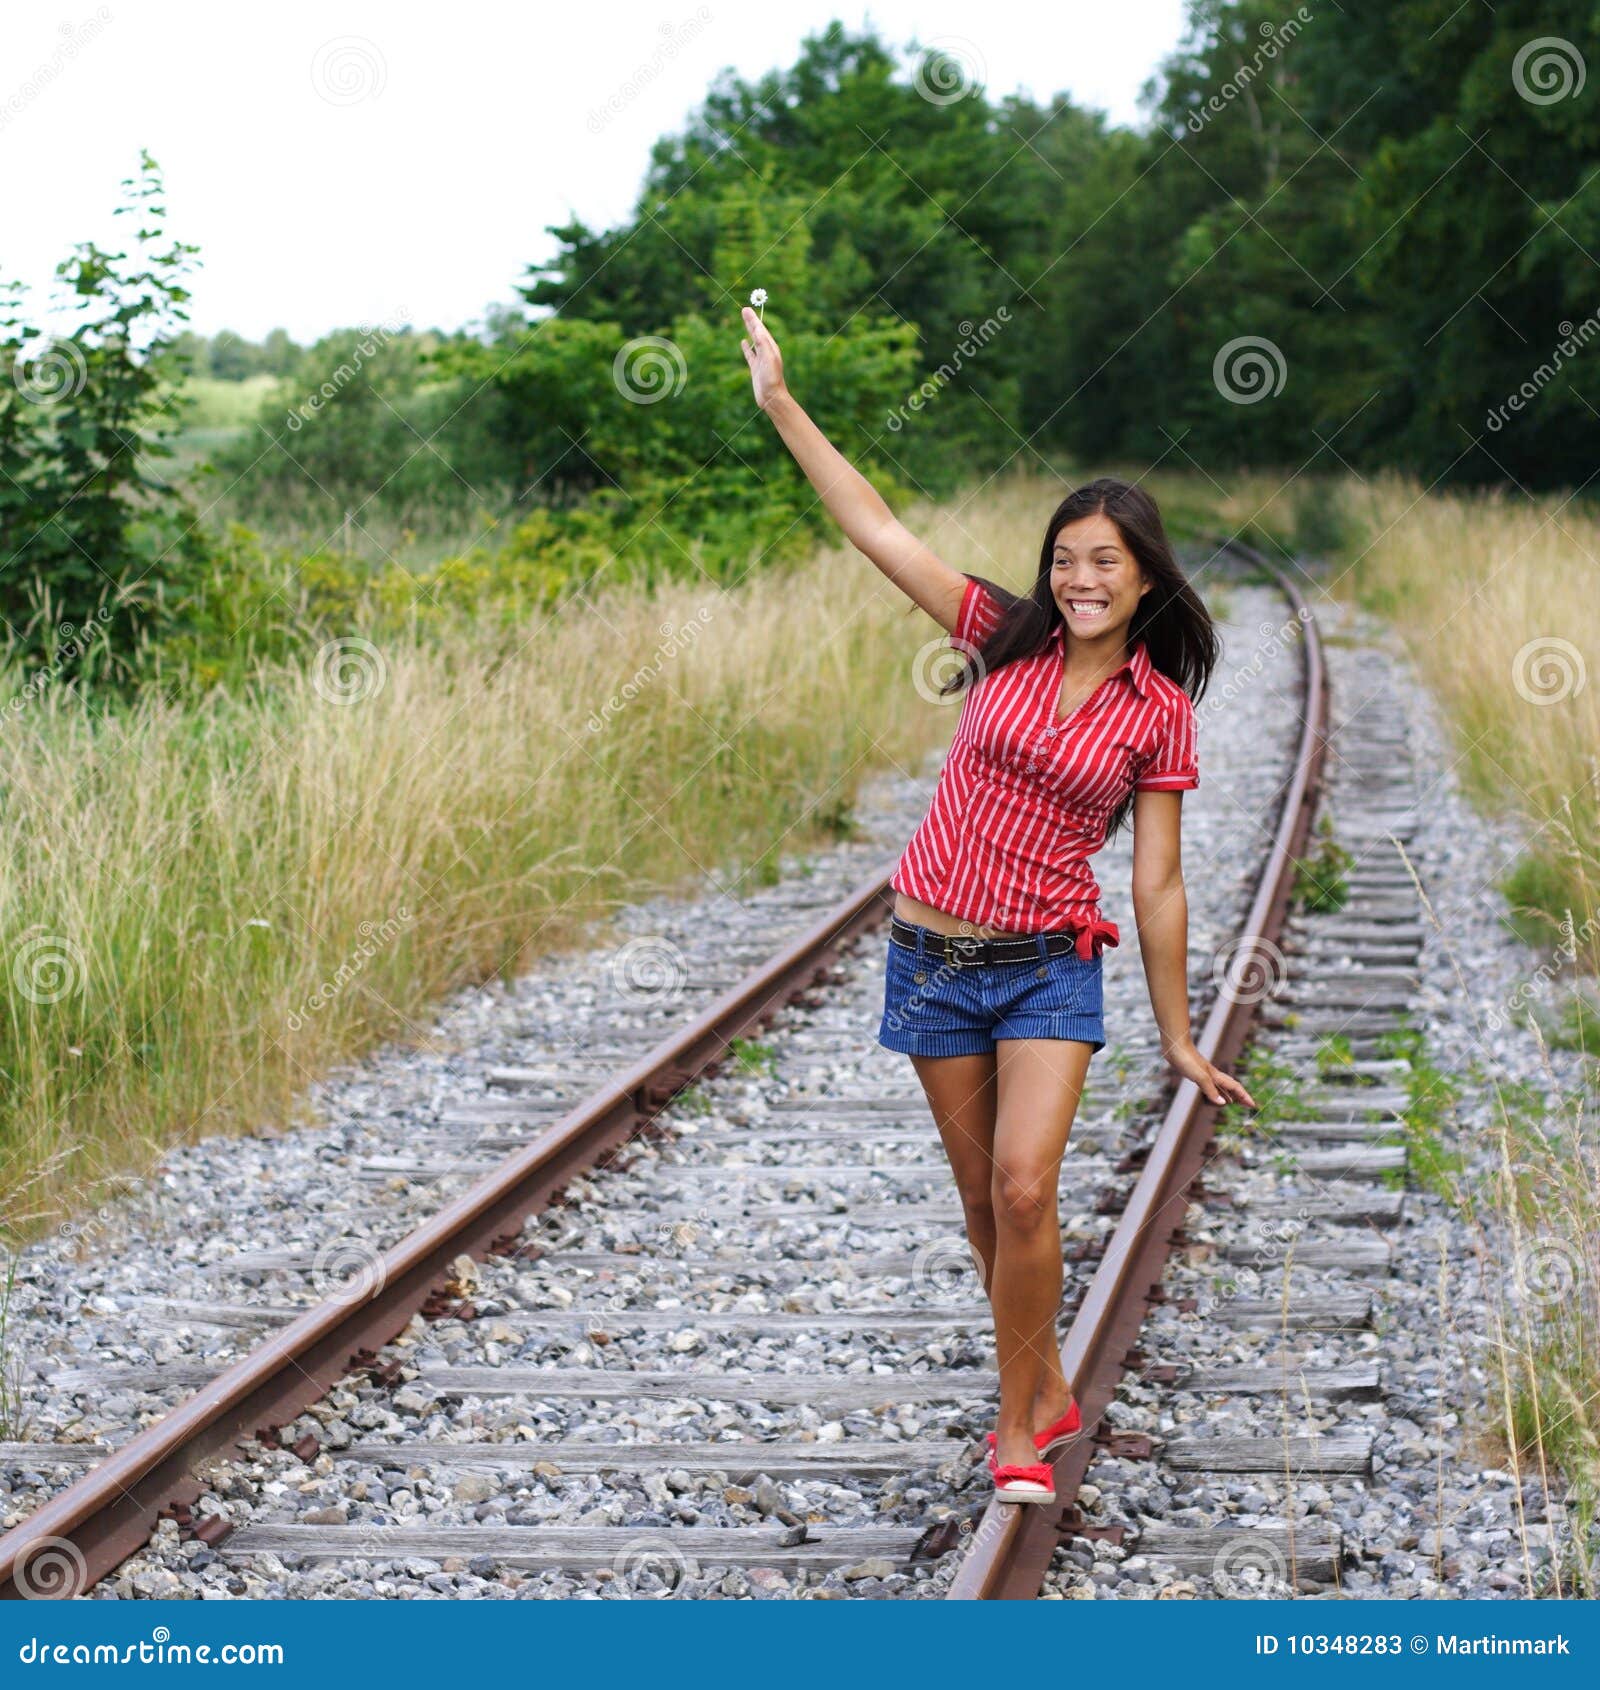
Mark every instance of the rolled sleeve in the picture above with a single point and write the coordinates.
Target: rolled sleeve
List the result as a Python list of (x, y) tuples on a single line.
[(978, 616), (1174, 766)]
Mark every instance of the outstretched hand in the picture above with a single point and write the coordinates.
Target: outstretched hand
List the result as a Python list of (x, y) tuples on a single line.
[(1215, 1086), (761, 354)]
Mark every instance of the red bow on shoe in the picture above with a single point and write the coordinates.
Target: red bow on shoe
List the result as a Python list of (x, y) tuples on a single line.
[(1093, 934)]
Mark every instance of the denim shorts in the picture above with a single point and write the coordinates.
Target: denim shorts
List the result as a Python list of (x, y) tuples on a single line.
[(932, 1007)]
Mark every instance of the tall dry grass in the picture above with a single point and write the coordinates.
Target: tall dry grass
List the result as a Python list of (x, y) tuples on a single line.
[(1497, 600), (207, 905), (1494, 597)]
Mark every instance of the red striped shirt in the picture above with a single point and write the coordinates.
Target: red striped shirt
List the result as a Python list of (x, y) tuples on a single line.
[(1023, 800)]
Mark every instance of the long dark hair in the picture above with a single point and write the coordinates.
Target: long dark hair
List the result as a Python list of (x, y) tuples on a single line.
[(1171, 618)]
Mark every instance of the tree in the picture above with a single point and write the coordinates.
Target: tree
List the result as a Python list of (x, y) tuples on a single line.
[(93, 538)]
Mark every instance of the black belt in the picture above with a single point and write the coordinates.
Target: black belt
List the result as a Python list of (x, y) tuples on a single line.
[(959, 949)]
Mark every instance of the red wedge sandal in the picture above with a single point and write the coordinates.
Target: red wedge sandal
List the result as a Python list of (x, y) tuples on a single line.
[(1057, 1433), (1031, 1482)]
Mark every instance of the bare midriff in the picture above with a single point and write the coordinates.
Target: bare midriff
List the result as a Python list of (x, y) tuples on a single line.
[(925, 915)]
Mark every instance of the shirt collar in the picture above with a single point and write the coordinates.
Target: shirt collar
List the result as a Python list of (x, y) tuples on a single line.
[(1137, 667)]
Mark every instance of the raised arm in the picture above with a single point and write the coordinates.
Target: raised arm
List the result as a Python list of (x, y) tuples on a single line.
[(852, 501)]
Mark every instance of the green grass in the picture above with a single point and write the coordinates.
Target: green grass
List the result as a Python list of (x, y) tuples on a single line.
[(211, 902), (1430, 1113), (13, 1425), (1320, 877), (754, 1057), (1278, 1092)]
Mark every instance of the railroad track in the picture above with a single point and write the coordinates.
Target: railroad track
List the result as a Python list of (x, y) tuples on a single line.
[(447, 1402)]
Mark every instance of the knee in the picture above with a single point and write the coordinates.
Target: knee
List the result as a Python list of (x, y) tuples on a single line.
[(1023, 1195), (977, 1200)]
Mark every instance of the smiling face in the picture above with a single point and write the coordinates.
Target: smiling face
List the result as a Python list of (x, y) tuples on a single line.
[(1095, 580)]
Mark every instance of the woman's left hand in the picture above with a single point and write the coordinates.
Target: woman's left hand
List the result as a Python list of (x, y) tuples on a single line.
[(1215, 1086)]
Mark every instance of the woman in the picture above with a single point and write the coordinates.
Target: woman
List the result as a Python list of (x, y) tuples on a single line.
[(1077, 708)]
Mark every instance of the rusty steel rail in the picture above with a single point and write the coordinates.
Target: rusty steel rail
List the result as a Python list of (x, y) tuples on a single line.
[(95, 1524), (1011, 1546)]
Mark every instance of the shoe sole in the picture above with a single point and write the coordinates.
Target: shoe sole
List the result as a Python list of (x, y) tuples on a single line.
[(1023, 1495)]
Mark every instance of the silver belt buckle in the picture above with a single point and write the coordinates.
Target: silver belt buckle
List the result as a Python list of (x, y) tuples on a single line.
[(963, 950)]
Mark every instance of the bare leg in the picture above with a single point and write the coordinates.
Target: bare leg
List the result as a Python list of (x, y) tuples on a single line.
[(1038, 1085), (961, 1094)]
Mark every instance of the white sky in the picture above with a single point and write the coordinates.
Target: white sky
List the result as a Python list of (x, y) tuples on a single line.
[(365, 163)]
